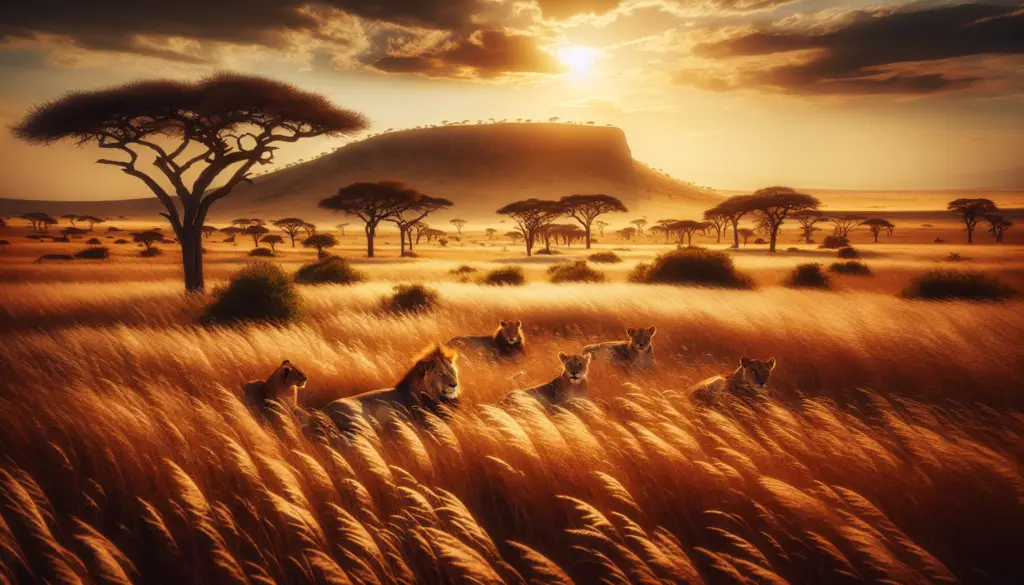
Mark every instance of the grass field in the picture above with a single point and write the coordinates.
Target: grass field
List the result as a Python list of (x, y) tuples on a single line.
[(890, 448)]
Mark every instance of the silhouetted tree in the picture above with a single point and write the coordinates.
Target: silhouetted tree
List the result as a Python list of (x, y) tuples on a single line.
[(876, 225), (341, 227), (514, 236), (732, 209), (72, 231), (746, 234), (687, 228), (844, 224), (531, 215), (601, 224), (639, 223), (773, 204), (807, 218), (255, 232), (717, 222), (417, 206), (40, 221), (627, 233), (372, 202), (241, 223), (458, 223), (997, 224), (586, 208), (236, 121), (148, 238), (490, 233), (208, 230), (321, 242), (232, 233), (272, 240), (553, 119), (309, 228), (258, 221), (290, 226), (972, 210), (71, 217)]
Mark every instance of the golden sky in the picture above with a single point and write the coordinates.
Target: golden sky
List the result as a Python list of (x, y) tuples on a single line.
[(733, 94)]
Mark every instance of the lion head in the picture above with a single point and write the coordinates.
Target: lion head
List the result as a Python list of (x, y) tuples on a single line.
[(641, 338), (757, 372), (511, 334), (288, 375), (574, 367), (440, 376)]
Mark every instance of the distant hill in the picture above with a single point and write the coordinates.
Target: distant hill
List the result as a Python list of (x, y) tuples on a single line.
[(480, 168)]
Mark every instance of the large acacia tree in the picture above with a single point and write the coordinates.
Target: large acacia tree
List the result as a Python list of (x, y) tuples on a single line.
[(773, 204), (201, 138), (374, 202), (290, 226), (532, 215), (586, 208), (807, 218), (876, 225), (686, 229), (732, 209), (972, 210), (411, 214)]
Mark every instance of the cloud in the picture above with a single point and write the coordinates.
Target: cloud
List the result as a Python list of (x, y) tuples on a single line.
[(903, 51), (484, 54)]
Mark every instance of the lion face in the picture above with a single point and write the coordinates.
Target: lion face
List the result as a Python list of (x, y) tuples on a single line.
[(757, 372), (511, 333), (291, 375), (441, 378), (641, 338), (574, 367)]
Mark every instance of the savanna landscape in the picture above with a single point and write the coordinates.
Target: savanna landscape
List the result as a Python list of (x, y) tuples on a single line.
[(593, 371)]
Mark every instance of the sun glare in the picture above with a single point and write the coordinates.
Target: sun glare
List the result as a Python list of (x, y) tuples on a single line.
[(579, 59)]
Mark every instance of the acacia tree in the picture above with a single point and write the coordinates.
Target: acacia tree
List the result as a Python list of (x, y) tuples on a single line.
[(341, 227), (717, 222), (40, 221), (687, 228), (972, 210), (997, 224), (222, 125), (148, 239), (732, 209), (208, 230), (807, 218), (601, 224), (309, 228), (627, 233), (844, 224), (746, 234), (639, 223), (232, 233), (531, 215), (290, 226), (71, 217), (514, 236), (372, 202), (773, 204), (876, 225), (459, 224), (272, 240), (241, 223), (417, 207), (91, 220), (490, 233), (586, 208), (321, 242), (255, 231), (72, 231)]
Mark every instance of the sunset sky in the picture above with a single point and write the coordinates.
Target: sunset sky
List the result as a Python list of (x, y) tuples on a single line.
[(734, 94)]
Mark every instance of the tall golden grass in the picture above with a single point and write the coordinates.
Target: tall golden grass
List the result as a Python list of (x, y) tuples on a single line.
[(889, 451)]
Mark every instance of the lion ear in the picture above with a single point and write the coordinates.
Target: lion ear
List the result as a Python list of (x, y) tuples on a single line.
[(286, 363), (771, 364), (562, 357), (519, 323), (745, 361), (503, 324), (652, 329), (630, 331)]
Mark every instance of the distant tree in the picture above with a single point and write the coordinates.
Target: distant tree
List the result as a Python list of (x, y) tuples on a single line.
[(807, 218), (972, 210), (627, 233), (255, 231), (71, 217), (773, 204), (241, 223), (417, 206), (601, 224), (41, 222), (662, 226), (997, 224), (272, 240), (531, 215), (553, 119), (309, 228), (844, 224), (687, 228), (746, 234), (321, 242), (420, 229), (732, 210), (72, 231), (514, 236), (876, 225), (433, 234), (148, 238), (717, 222), (586, 208), (236, 121), (490, 233), (639, 223), (372, 202), (290, 226), (258, 221), (208, 230), (458, 223), (3, 222), (341, 227)]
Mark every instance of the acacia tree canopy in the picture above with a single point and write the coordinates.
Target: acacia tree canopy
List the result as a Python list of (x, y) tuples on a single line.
[(531, 215), (373, 202), (972, 210), (773, 204), (586, 208)]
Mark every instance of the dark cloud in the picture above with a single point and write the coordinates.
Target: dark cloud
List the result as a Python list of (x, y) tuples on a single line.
[(893, 52), (485, 53)]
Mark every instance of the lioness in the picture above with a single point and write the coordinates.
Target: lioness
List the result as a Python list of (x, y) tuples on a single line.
[(507, 341), (570, 384), (638, 352), (432, 382), (282, 386), (752, 375)]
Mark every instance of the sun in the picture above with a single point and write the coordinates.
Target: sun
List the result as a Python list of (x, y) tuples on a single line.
[(579, 59)]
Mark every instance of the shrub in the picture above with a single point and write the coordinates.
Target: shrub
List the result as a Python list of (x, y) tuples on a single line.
[(411, 298), (61, 240), (793, 249), (113, 229), (808, 276), (411, 254), (847, 253), (576, 271), (329, 270), (94, 241), (833, 242), (605, 257), (122, 241), (547, 252), (958, 284), (261, 291), (150, 252), (4, 243), (261, 252), (760, 241), (507, 276), (854, 267), (464, 269), (698, 266), (95, 253)]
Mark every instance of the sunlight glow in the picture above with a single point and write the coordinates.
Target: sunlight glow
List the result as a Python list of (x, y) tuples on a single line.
[(580, 60)]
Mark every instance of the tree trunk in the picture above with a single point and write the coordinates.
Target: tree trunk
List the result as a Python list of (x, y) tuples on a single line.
[(401, 239), (970, 233), (292, 236), (408, 234), (586, 228), (876, 237), (529, 244), (191, 238), (774, 236), (369, 240)]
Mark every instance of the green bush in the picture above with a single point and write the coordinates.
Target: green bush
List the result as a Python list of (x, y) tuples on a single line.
[(698, 266), (808, 276), (95, 253), (329, 270), (507, 276), (958, 284), (605, 257), (150, 252), (576, 271), (848, 253), (463, 270), (261, 252), (260, 291), (833, 242), (411, 298), (854, 267)]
